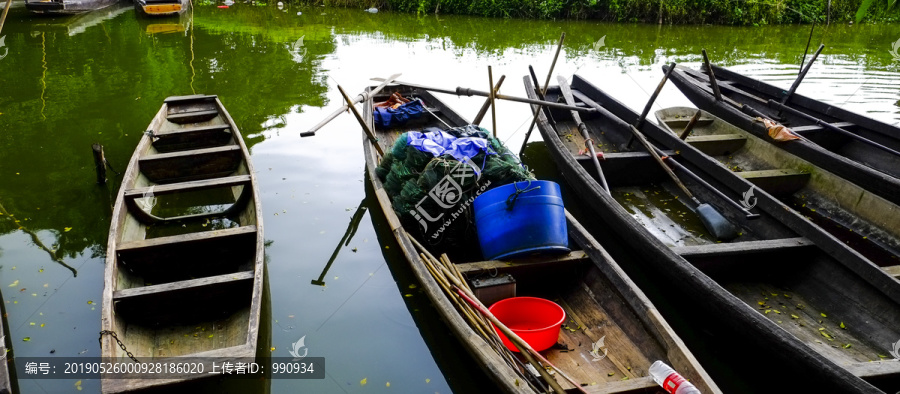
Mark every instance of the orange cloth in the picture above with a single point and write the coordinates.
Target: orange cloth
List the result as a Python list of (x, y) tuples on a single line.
[(778, 132)]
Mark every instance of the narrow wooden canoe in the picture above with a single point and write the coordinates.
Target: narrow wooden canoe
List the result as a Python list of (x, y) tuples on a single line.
[(184, 268), (772, 285), (869, 223), (6, 355), (587, 283), (870, 168)]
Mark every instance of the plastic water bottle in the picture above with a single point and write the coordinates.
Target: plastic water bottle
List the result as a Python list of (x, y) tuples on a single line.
[(671, 381)]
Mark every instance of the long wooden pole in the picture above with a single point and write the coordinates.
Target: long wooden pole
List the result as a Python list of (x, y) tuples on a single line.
[(542, 91), (802, 75), (5, 11), (369, 132), (712, 77), (358, 99), (461, 91), (588, 141), (493, 94), (99, 162), (640, 121)]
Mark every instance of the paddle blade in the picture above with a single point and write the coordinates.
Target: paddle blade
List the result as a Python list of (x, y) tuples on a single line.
[(720, 227)]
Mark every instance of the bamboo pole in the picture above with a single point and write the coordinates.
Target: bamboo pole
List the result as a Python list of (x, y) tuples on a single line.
[(542, 90), (487, 103), (358, 99), (493, 94), (5, 11)]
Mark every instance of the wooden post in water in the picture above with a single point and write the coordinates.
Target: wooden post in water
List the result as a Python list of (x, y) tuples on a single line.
[(99, 162)]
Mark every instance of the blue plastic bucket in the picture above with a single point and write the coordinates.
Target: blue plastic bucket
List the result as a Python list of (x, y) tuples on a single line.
[(512, 225)]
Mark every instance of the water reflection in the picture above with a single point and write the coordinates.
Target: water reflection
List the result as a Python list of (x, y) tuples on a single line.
[(67, 83)]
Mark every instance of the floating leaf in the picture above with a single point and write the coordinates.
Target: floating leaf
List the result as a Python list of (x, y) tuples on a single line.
[(31, 324), (823, 314), (67, 229), (272, 349), (427, 380), (388, 384), (363, 381), (42, 324), (14, 284), (793, 316), (843, 326), (776, 311), (768, 310), (90, 302), (26, 339), (847, 346), (78, 385), (611, 374)]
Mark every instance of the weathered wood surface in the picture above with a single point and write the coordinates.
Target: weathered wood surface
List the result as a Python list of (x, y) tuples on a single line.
[(869, 168), (714, 288), (813, 189), (161, 292), (598, 294)]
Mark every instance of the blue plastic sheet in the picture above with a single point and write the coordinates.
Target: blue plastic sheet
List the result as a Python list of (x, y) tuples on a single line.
[(388, 117), (439, 143)]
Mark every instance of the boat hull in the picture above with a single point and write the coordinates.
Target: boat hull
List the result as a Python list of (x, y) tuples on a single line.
[(67, 7), (730, 293)]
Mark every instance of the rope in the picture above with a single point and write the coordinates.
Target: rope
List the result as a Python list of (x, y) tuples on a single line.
[(511, 200)]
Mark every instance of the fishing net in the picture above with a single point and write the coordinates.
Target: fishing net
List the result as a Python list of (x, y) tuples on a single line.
[(433, 195)]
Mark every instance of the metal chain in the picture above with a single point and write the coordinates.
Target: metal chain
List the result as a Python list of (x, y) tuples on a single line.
[(121, 345)]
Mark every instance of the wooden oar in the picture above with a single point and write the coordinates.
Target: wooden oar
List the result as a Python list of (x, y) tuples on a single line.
[(359, 98), (461, 91), (640, 121), (365, 126), (588, 141), (829, 126), (720, 227), (541, 91)]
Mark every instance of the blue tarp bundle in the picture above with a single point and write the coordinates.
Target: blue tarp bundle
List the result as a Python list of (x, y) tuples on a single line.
[(439, 143), (387, 117)]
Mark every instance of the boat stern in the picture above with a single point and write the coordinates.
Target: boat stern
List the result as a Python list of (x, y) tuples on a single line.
[(45, 6)]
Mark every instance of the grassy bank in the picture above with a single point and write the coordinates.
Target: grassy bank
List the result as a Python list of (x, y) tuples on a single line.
[(729, 12)]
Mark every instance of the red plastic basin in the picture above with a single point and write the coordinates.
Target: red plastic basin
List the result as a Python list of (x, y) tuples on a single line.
[(535, 320)]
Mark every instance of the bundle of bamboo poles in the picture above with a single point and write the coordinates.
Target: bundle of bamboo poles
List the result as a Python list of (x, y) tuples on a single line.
[(454, 284)]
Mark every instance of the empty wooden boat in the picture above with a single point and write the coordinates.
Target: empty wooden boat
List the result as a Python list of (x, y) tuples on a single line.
[(871, 168), (184, 264), (868, 223), (784, 285), (599, 299)]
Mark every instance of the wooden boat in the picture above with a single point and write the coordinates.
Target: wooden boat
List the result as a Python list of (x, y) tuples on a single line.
[(587, 283), (6, 362), (184, 268), (161, 7), (63, 7), (873, 169), (783, 284), (869, 223)]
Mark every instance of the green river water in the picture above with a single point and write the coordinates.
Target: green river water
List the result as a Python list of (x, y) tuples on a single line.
[(68, 82)]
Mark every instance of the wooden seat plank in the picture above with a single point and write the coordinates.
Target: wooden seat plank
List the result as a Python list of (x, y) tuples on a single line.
[(191, 97), (779, 182), (522, 263), (159, 190), (192, 138), (717, 144), (619, 167), (192, 116), (814, 128), (185, 301), (742, 248), (191, 164)]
